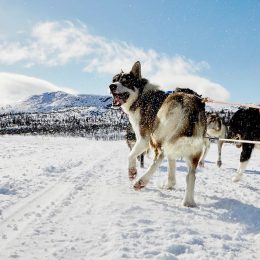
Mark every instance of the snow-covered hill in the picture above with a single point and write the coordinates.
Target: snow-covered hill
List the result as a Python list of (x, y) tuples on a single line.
[(56, 101), (70, 198)]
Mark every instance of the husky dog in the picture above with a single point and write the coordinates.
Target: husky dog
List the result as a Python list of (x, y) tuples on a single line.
[(245, 125), (131, 140), (215, 128), (173, 124)]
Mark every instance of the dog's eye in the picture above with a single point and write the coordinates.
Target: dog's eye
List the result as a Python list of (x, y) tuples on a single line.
[(116, 78)]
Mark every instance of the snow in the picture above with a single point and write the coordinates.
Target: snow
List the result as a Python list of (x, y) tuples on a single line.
[(70, 198)]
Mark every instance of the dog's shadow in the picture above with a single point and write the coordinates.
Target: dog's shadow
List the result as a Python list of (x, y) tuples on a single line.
[(7, 191), (235, 211), (181, 168), (252, 172), (209, 162), (233, 170)]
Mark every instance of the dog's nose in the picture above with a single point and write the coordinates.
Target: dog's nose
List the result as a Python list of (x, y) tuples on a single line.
[(112, 87)]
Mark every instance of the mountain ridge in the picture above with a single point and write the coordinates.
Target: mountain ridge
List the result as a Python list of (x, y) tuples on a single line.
[(56, 101), (59, 100)]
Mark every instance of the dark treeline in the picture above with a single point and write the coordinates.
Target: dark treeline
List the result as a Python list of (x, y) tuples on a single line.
[(224, 114), (99, 124), (105, 124)]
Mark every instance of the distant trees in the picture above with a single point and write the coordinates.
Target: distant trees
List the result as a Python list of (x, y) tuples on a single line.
[(224, 113), (105, 124)]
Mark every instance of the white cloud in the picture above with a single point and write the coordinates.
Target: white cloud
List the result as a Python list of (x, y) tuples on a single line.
[(16, 87), (12, 53), (58, 43)]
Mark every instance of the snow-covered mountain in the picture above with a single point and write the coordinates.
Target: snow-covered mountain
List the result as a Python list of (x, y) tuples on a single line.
[(56, 101), (64, 114)]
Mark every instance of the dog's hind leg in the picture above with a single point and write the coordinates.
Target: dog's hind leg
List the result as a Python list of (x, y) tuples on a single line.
[(171, 173), (139, 147), (205, 152), (220, 144), (142, 182), (192, 164)]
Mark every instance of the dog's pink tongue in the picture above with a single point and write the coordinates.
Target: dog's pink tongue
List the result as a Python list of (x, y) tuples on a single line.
[(117, 101)]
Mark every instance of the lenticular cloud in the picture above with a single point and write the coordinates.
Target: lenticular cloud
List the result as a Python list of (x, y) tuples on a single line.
[(16, 87)]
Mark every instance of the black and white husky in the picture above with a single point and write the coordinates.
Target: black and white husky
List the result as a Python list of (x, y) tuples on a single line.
[(245, 125), (173, 125)]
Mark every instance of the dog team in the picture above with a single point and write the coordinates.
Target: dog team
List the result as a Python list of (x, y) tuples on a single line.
[(175, 125)]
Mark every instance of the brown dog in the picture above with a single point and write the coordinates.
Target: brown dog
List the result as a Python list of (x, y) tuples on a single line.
[(174, 125)]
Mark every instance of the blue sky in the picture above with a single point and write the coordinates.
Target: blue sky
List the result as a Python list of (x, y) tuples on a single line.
[(210, 46)]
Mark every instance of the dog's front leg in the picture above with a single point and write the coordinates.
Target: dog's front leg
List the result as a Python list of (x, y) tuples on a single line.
[(140, 146), (142, 182), (244, 159)]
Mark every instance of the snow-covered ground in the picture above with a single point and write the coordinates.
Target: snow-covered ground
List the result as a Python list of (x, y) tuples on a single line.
[(70, 198)]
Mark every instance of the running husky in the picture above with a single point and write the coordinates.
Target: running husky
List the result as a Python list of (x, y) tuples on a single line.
[(173, 124)]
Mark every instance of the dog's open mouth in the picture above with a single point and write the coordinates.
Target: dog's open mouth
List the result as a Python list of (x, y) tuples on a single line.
[(120, 98)]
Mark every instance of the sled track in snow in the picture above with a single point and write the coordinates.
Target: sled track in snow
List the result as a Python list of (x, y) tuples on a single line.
[(44, 204), (20, 216), (73, 200)]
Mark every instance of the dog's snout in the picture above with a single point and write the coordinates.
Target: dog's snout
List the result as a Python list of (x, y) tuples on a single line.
[(113, 87)]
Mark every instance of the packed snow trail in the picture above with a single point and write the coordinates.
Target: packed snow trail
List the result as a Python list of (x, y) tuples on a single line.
[(70, 198)]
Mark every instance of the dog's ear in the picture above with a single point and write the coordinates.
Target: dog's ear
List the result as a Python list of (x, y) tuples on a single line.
[(136, 70)]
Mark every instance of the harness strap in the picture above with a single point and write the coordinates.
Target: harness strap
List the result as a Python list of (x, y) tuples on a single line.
[(232, 140)]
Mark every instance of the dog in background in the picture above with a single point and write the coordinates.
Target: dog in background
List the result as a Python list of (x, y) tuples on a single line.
[(245, 125), (215, 129), (174, 125)]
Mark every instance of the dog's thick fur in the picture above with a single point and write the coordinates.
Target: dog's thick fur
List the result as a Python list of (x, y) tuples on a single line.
[(174, 125), (245, 125), (215, 128)]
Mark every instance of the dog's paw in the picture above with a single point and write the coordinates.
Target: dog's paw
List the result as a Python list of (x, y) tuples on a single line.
[(139, 185), (190, 204), (219, 163), (237, 177), (170, 186), (132, 172), (201, 164)]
